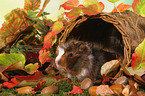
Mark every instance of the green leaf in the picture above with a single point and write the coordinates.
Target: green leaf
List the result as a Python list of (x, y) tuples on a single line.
[(143, 65), (138, 7), (138, 57), (93, 9), (139, 72), (113, 1), (32, 4), (32, 14), (8, 59), (31, 68), (73, 13), (87, 3)]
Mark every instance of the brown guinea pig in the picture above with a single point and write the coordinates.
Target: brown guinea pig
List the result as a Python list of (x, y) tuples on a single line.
[(78, 59)]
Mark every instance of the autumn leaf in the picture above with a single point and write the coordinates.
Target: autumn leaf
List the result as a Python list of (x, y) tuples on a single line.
[(37, 76), (32, 15), (32, 4), (105, 79), (31, 68), (15, 22), (70, 4), (138, 7), (87, 3), (44, 5), (12, 83), (3, 77), (25, 90), (15, 66), (39, 85), (76, 90), (44, 56), (73, 13), (113, 1), (41, 27), (121, 7), (138, 57), (8, 59), (50, 38), (93, 9)]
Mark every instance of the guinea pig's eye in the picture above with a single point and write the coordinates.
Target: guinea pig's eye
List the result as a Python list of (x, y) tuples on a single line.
[(70, 55)]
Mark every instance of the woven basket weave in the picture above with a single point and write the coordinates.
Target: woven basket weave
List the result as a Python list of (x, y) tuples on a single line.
[(130, 25)]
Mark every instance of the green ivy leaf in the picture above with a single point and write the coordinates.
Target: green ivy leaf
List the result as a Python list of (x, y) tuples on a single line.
[(32, 4), (138, 7), (113, 1), (138, 57)]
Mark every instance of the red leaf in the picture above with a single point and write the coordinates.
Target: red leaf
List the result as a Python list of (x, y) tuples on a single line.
[(76, 90), (39, 85), (50, 38), (37, 76), (93, 9), (11, 83), (32, 57), (105, 79), (122, 7), (70, 4)]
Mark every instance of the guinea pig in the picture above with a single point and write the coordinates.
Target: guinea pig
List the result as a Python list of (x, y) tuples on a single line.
[(78, 59)]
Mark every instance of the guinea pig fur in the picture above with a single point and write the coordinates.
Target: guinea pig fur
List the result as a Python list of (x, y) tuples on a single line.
[(78, 59)]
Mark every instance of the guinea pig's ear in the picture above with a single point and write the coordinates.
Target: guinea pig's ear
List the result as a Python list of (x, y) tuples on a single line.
[(84, 48)]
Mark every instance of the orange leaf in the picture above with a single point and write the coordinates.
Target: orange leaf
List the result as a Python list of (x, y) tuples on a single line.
[(122, 7), (44, 56), (70, 4)]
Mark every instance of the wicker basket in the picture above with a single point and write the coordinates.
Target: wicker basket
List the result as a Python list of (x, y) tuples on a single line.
[(130, 25)]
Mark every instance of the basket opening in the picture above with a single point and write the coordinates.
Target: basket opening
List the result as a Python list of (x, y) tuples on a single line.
[(100, 32)]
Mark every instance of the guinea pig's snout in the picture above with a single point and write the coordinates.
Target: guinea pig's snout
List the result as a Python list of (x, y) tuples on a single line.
[(59, 56)]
